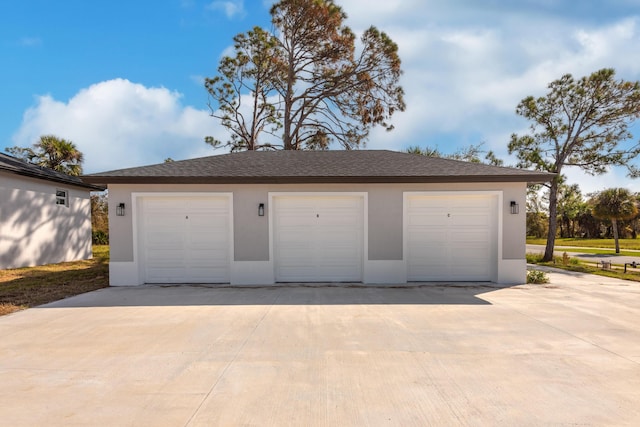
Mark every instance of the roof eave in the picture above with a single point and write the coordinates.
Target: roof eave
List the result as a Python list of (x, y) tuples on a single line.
[(104, 180)]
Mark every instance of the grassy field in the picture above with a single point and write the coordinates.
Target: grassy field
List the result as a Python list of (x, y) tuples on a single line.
[(22, 288), (630, 244)]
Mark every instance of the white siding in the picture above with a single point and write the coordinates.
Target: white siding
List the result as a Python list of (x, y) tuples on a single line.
[(34, 230)]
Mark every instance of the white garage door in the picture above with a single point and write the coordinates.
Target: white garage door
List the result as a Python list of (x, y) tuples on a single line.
[(451, 237), (318, 238), (185, 239)]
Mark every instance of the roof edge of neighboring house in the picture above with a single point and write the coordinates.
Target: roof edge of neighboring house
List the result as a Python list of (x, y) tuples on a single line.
[(19, 167)]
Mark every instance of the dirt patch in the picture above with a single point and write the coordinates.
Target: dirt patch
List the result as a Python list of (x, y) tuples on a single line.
[(28, 287)]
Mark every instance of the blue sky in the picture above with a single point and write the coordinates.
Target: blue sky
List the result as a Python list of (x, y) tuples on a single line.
[(123, 79)]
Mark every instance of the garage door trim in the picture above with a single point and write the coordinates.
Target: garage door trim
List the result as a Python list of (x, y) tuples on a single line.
[(498, 223), (136, 219), (365, 222)]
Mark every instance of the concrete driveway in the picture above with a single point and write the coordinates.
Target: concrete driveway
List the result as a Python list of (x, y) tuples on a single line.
[(561, 354)]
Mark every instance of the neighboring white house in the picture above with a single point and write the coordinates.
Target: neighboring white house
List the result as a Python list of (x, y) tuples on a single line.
[(317, 216), (45, 216)]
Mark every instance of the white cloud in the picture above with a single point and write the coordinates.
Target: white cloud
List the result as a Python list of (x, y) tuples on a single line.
[(118, 124), (231, 8)]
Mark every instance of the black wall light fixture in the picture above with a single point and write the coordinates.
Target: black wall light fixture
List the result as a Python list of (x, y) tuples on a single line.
[(261, 209), (120, 209), (515, 208)]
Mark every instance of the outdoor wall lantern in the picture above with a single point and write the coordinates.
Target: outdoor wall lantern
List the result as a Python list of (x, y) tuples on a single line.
[(515, 208), (120, 209), (261, 209)]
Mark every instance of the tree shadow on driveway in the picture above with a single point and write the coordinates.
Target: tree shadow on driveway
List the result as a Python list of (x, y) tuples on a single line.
[(288, 294)]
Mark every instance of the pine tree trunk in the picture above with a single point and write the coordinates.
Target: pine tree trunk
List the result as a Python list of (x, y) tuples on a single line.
[(287, 137), (553, 221)]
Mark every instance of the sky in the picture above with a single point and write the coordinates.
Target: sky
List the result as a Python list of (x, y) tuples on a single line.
[(123, 80)]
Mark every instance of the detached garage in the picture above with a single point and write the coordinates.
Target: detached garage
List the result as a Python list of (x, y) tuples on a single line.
[(317, 216)]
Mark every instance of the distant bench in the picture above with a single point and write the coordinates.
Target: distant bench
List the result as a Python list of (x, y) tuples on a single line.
[(606, 265)]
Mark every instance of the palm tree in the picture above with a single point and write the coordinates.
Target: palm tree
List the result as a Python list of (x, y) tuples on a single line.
[(615, 204), (53, 153), (59, 154)]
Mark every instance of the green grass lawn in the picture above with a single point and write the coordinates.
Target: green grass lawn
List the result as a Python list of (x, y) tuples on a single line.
[(630, 244), (22, 288), (580, 266)]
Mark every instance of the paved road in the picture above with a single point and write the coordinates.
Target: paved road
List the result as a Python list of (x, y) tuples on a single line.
[(567, 353), (575, 252)]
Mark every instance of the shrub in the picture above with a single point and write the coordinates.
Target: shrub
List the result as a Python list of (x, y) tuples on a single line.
[(534, 258), (537, 277), (100, 237)]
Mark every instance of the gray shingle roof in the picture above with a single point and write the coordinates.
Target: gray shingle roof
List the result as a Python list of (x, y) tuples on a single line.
[(20, 167), (356, 166)]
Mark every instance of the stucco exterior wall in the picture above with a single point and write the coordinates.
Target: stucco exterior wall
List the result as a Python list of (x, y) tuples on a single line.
[(384, 210), (36, 231)]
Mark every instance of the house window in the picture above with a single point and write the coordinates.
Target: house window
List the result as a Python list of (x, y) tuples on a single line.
[(62, 197)]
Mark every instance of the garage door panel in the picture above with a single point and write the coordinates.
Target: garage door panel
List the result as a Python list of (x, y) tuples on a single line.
[(212, 238), (291, 222), (436, 272), (450, 237), (205, 222), (291, 257), (299, 272), (165, 259), (421, 202), (186, 239), (470, 202), (158, 205), (468, 255), (293, 239), (157, 219), (338, 256), (427, 220), (210, 256), (335, 224), (166, 275), (318, 238), (167, 239), (468, 236), (336, 240), (428, 238), (469, 220)]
